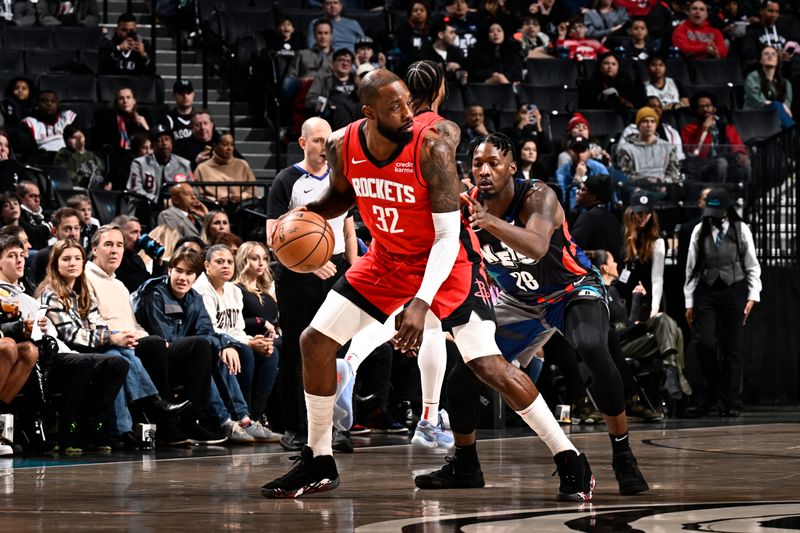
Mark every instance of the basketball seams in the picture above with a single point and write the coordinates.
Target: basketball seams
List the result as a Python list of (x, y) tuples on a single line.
[(298, 242)]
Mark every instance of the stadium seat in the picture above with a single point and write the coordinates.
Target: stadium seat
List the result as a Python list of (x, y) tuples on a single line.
[(76, 38), (12, 61), (756, 124), (491, 97), (89, 58), (146, 89), (301, 17), (42, 61), (716, 72), (551, 72), (244, 21), (70, 87), (86, 113), (104, 204), (372, 22), (549, 98), (59, 177), (28, 37), (455, 97)]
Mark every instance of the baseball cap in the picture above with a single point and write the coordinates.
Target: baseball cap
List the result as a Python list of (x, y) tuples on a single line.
[(717, 202), (160, 130), (641, 202), (365, 41), (183, 87), (579, 143)]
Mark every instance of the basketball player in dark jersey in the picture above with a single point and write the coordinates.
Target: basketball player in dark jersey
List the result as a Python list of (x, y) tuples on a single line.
[(402, 177), (547, 285)]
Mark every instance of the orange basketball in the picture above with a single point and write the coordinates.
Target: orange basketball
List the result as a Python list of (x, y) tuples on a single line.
[(303, 241)]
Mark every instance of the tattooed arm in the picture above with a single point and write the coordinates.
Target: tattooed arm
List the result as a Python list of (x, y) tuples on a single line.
[(439, 171), (450, 133), (339, 197)]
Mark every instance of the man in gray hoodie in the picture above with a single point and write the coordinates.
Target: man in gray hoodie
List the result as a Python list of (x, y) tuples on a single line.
[(645, 156)]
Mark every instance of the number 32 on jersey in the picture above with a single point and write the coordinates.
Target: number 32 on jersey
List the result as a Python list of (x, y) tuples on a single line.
[(386, 219)]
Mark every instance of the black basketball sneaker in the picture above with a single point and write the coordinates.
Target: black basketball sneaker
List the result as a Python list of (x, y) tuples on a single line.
[(577, 480), (309, 475), (451, 476), (630, 478)]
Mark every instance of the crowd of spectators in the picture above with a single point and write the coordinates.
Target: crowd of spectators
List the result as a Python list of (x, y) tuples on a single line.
[(629, 57)]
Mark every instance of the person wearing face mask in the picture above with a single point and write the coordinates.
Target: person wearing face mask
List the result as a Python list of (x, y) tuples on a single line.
[(723, 284), (223, 166)]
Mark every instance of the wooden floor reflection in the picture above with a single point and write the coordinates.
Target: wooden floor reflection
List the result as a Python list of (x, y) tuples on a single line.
[(733, 477)]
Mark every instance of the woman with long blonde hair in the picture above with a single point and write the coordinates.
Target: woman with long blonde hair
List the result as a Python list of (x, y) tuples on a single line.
[(643, 252), (260, 311)]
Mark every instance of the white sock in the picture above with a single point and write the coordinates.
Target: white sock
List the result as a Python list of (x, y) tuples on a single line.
[(432, 361), (320, 423), (541, 420)]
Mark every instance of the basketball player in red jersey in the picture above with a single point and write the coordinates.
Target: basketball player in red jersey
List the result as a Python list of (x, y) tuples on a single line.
[(426, 83), (402, 177)]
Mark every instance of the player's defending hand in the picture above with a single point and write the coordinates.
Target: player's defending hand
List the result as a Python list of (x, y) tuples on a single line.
[(328, 270), (478, 216), (409, 324)]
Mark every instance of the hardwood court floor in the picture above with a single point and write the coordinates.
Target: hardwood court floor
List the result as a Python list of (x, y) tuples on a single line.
[(712, 475)]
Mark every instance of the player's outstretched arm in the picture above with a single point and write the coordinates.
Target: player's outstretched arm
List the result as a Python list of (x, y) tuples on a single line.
[(339, 197), (542, 212)]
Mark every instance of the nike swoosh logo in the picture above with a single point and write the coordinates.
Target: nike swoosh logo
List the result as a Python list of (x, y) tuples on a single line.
[(357, 162), (308, 191), (619, 439)]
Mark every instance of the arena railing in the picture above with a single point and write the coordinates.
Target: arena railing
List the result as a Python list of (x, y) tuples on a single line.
[(772, 198)]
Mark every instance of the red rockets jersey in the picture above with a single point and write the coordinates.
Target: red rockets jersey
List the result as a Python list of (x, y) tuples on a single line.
[(392, 197)]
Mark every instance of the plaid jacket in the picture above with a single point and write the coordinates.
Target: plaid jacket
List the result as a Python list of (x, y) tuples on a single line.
[(79, 333)]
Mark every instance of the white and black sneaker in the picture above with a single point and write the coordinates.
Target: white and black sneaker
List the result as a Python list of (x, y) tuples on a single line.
[(309, 475)]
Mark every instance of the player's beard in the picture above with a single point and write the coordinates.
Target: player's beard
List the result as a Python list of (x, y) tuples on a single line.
[(399, 136)]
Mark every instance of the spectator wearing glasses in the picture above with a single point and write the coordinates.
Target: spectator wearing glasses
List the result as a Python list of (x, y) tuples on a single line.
[(337, 79)]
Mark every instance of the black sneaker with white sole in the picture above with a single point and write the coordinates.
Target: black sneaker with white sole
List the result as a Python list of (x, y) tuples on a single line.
[(577, 481), (630, 478), (309, 475), (451, 476)]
